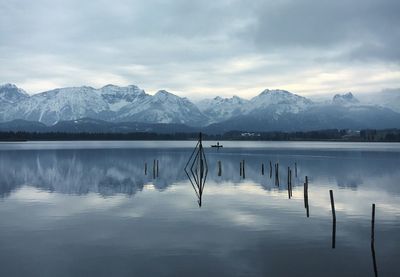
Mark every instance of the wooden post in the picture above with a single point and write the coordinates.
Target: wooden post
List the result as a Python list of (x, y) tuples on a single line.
[(154, 169), (219, 168), (291, 187), (262, 169), (295, 169), (277, 174), (332, 206), (306, 198), (145, 168), (334, 219), (288, 182), (373, 240), (244, 171), (373, 224)]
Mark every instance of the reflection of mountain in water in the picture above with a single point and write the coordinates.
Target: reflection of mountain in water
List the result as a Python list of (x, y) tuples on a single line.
[(106, 172), (112, 171)]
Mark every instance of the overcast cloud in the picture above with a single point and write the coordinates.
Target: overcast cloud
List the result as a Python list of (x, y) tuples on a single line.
[(202, 48)]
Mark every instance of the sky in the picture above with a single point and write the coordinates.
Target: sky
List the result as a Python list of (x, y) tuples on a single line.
[(202, 48)]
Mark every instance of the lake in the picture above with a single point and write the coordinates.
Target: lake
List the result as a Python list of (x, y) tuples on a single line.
[(90, 209)]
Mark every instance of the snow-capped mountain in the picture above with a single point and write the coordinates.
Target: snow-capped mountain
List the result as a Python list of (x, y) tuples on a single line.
[(345, 99), (11, 94), (163, 107), (277, 102), (59, 104), (270, 110), (111, 103), (117, 97), (219, 109), (280, 101)]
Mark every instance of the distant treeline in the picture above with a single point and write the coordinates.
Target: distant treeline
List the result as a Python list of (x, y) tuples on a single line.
[(392, 135)]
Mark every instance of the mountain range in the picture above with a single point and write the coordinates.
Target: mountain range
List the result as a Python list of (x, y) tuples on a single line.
[(130, 109)]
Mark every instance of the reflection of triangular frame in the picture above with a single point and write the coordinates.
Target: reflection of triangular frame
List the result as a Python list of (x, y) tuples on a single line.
[(198, 171)]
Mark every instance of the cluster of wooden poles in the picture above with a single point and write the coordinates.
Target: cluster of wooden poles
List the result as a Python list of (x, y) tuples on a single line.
[(306, 205), (290, 195), (155, 168)]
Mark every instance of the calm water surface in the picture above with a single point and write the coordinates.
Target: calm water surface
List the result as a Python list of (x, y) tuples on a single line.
[(88, 209)]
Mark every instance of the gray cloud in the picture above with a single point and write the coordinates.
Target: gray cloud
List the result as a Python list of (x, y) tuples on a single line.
[(202, 47)]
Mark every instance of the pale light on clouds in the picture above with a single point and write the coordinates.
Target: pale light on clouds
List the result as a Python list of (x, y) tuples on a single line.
[(200, 48)]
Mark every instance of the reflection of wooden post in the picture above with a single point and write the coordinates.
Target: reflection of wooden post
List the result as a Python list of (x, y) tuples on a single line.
[(145, 168), (157, 168), (334, 234), (219, 168), (262, 169), (332, 206)]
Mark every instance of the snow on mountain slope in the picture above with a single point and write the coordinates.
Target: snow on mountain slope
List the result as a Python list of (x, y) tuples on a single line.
[(274, 109), (279, 101), (60, 104), (345, 99), (163, 107), (111, 103), (11, 94), (219, 109), (118, 97)]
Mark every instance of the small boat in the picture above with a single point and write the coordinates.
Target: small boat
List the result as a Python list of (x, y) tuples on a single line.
[(217, 145)]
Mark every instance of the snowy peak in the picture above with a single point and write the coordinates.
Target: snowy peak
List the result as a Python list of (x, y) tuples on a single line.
[(163, 94), (121, 91), (219, 101), (345, 99), (117, 97), (281, 101), (10, 94), (278, 96), (219, 109)]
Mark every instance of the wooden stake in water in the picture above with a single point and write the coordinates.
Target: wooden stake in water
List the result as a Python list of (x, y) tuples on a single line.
[(277, 174), (332, 206), (373, 224), (306, 206), (244, 170), (373, 241), (295, 170), (291, 187), (262, 169), (154, 169), (145, 168), (219, 168), (288, 181)]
